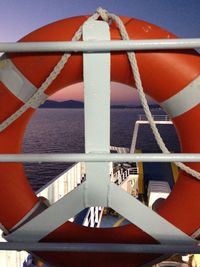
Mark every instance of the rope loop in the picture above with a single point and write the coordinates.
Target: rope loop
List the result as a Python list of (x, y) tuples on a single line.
[(103, 14)]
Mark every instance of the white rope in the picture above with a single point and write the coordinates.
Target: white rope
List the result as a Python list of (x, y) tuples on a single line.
[(53, 75), (138, 83), (106, 16)]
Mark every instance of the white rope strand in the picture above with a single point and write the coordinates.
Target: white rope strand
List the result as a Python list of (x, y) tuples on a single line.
[(138, 83), (52, 76)]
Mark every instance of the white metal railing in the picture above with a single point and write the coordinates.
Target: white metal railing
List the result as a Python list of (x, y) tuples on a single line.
[(100, 157), (64, 183), (143, 117), (100, 46), (94, 214), (93, 217), (158, 119), (119, 149), (101, 247), (120, 176), (53, 191)]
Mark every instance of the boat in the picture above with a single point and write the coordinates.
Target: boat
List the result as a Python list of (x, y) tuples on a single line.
[(125, 175)]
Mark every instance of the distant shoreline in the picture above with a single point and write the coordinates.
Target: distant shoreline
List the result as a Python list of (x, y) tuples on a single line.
[(73, 104)]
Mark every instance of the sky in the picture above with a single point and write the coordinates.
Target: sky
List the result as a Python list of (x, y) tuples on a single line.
[(19, 17)]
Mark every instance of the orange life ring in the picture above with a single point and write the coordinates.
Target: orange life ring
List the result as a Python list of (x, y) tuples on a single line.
[(164, 75)]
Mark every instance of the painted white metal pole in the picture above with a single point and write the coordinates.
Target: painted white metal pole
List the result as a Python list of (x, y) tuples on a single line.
[(100, 46), (101, 157), (96, 70), (146, 219), (50, 219), (104, 247)]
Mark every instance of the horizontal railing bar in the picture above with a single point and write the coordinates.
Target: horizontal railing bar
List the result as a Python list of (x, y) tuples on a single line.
[(156, 122), (99, 157), (100, 46), (94, 247)]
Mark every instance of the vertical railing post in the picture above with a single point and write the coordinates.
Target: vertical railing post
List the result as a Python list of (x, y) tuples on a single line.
[(97, 114)]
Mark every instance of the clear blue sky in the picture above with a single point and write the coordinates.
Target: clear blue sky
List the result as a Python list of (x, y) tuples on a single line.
[(19, 17)]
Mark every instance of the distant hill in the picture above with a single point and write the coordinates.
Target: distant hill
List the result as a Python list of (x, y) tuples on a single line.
[(121, 106), (63, 104), (152, 106), (79, 104)]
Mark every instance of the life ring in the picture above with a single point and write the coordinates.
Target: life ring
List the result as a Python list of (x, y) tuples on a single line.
[(165, 76)]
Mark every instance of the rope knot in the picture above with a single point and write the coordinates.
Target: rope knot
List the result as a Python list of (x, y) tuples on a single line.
[(103, 13)]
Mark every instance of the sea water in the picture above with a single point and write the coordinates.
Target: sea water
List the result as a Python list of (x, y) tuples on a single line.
[(62, 131)]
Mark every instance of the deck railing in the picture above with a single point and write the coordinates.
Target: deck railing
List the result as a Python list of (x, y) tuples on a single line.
[(91, 47), (63, 183), (142, 117), (158, 119)]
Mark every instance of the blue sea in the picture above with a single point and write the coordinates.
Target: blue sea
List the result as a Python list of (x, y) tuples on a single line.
[(62, 131)]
